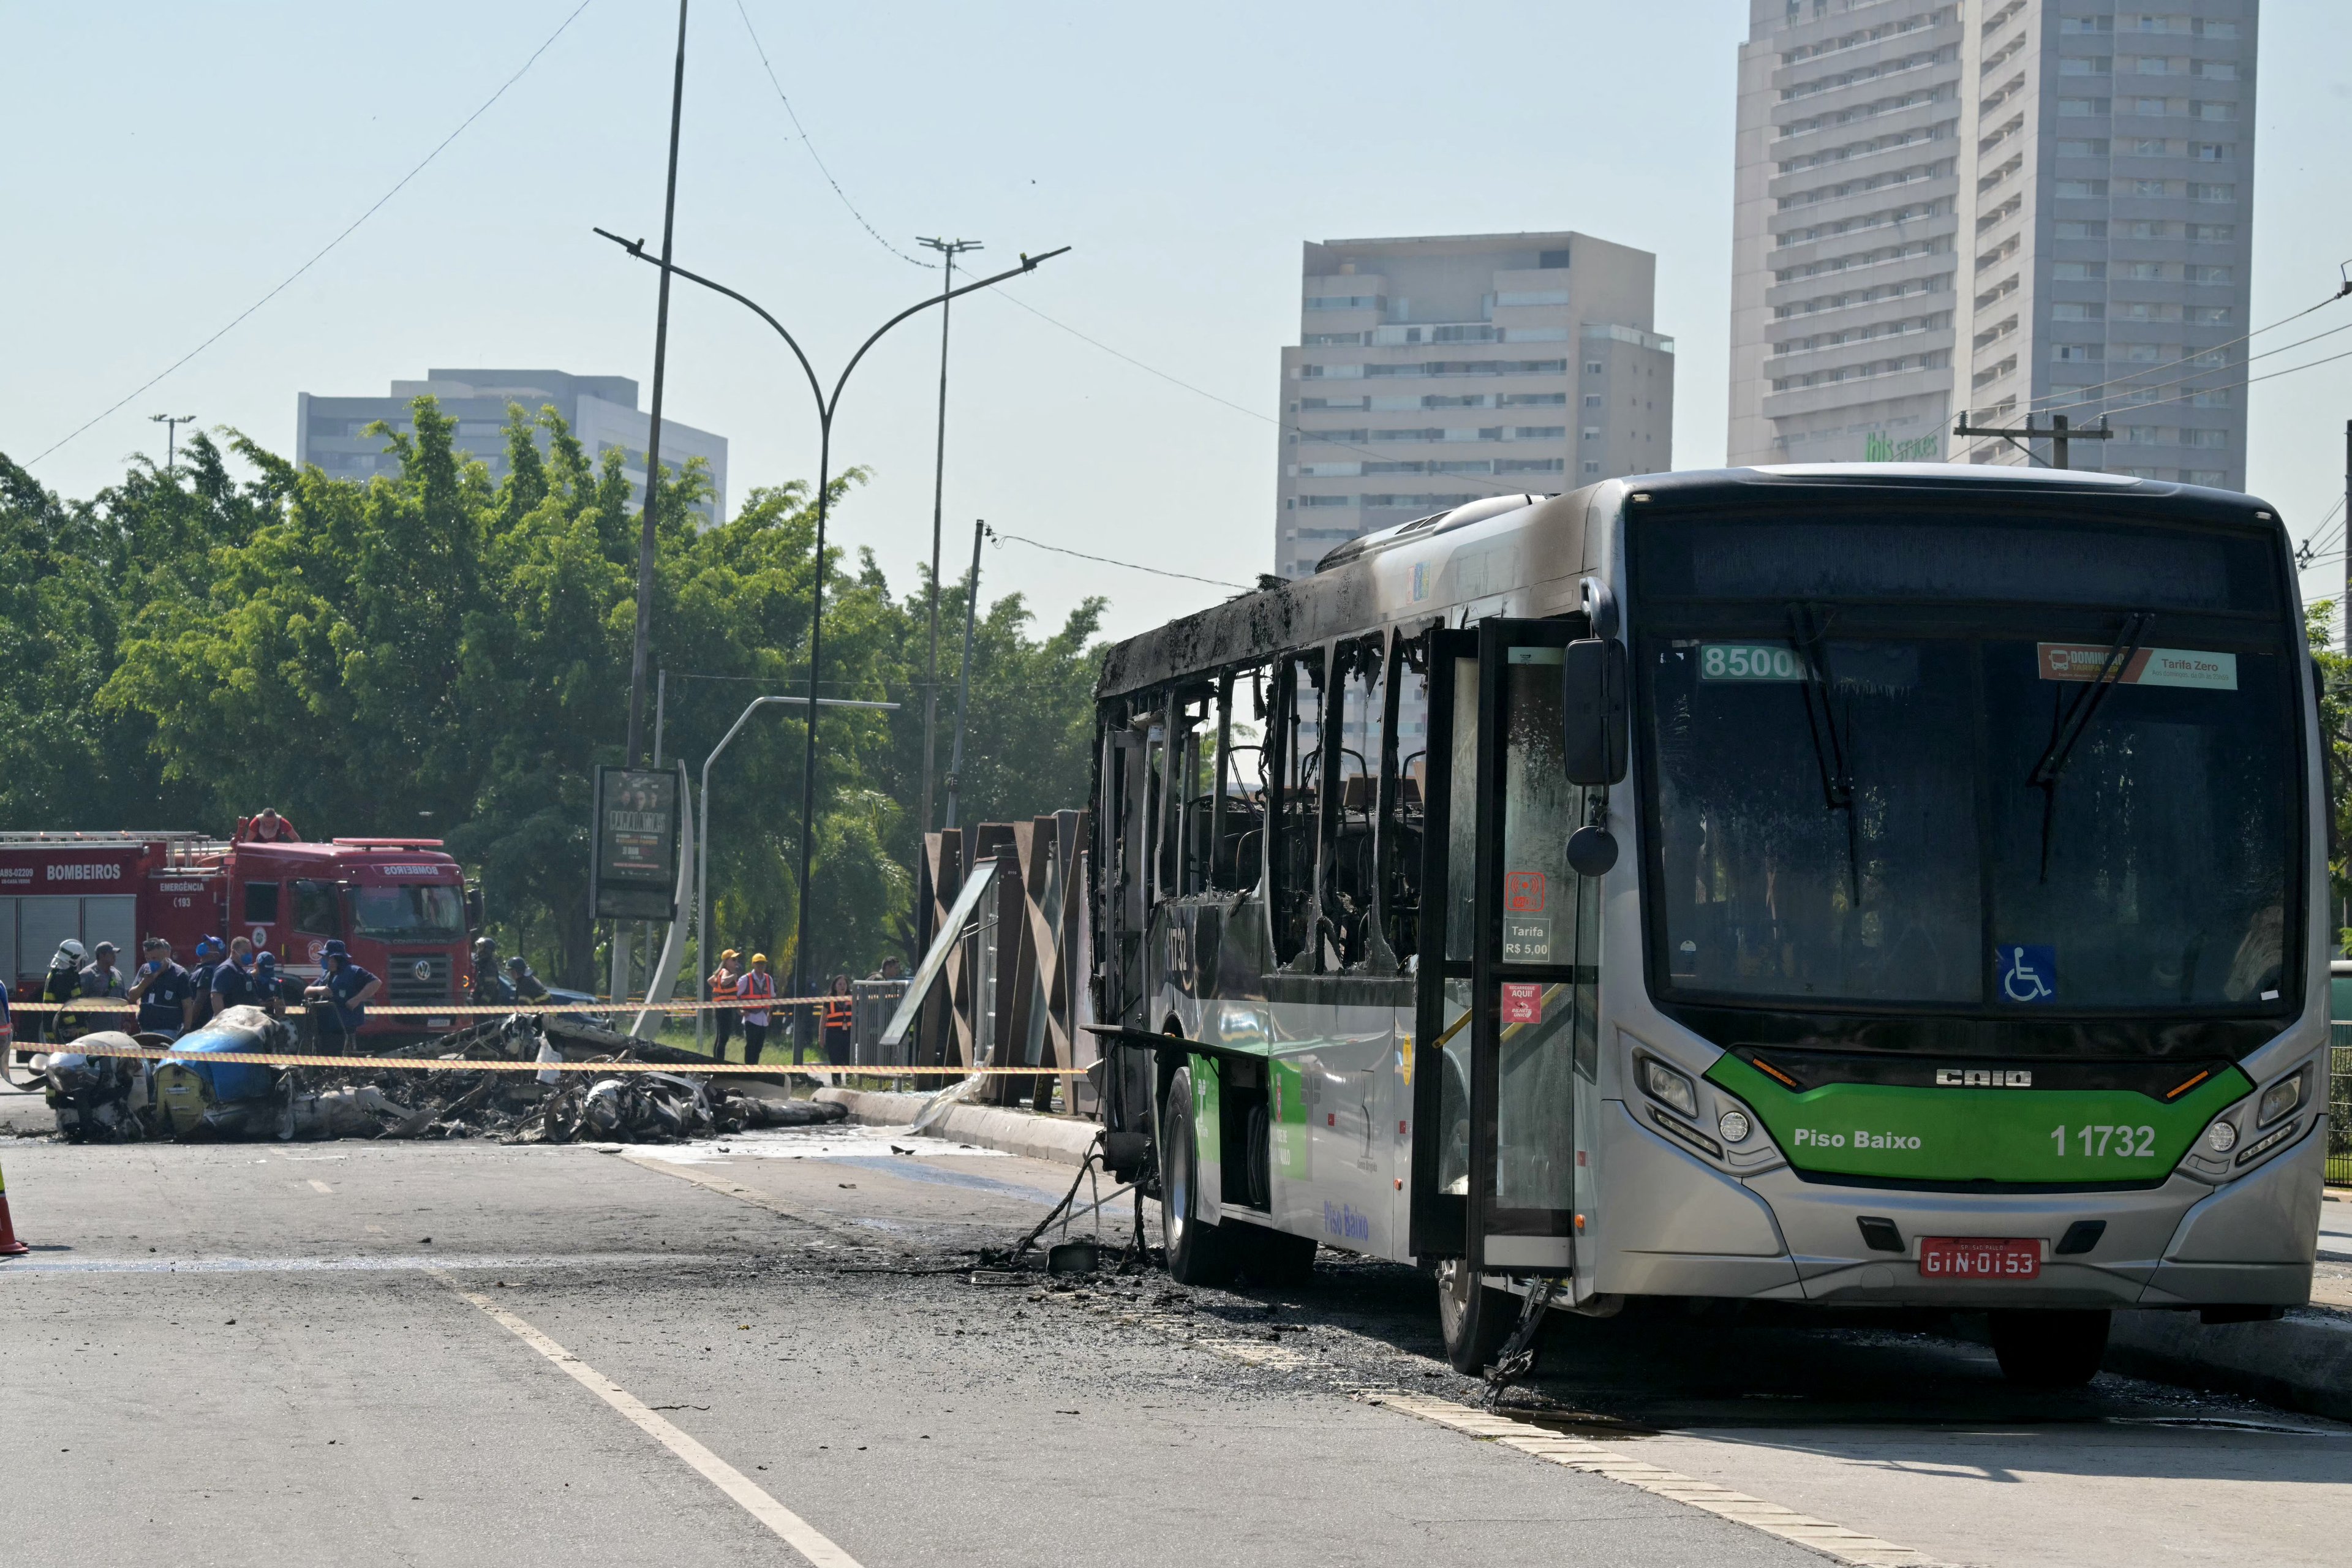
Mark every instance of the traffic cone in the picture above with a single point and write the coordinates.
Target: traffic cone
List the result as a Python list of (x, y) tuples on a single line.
[(9, 1246)]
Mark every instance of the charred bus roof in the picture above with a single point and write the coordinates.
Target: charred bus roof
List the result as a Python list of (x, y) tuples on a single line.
[(1522, 554)]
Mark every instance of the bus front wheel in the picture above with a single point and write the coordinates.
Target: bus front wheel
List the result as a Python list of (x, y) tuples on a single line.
[(2050, 1348), (1473, 1317), (1197, 1254)]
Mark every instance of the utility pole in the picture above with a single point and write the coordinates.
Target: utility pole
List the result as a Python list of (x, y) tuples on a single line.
[(171, 423), (2059, 431), (963, 692), (948, 250), (635, 750), (2344, 605)]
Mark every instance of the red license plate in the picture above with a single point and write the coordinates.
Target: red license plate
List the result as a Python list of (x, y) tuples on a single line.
[(1979, 1258)]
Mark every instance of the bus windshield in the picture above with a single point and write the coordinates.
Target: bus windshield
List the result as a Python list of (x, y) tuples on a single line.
[(1847, 812), (2151, 873), (409, 914)]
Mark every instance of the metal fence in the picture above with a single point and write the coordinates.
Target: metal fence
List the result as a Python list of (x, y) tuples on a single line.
[(875, 1000), (2339, 1105)]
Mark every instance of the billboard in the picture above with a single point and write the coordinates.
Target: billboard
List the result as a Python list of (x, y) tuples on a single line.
[(633, 865)]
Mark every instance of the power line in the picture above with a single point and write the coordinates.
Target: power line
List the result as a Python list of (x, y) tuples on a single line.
[(851, 207), (759, 48), (1107, 561), (2219, 386), (2076, 394), (321, 254)]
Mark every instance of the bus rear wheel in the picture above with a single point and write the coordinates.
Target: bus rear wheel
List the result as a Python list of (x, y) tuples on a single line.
[(1198, 1254), (2050, 1348), (1473, 1317)]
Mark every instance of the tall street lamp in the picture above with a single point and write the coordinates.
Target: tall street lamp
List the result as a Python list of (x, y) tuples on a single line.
[(826, 406)]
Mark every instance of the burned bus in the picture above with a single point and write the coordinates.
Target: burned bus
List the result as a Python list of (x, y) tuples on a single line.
[(1882, 886)]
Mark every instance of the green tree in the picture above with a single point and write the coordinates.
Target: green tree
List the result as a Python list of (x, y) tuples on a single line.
[(433, 652)]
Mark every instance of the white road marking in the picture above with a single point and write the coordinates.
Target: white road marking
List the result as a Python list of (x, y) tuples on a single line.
[(789, 1527), (318, 1185), (1833, 1541)]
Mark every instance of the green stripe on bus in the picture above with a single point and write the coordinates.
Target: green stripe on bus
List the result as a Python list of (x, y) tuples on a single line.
[(2041, 1136)]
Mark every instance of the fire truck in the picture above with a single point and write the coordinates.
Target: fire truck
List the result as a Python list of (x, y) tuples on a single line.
[(400, 905)]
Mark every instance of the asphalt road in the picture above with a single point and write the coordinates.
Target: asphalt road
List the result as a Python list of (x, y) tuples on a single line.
[(458, 1354)]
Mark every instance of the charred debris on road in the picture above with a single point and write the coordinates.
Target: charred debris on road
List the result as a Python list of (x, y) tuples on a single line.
[(103, 1098)]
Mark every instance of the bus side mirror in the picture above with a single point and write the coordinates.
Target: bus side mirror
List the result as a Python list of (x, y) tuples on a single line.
[(1592, 709), (473, 912)]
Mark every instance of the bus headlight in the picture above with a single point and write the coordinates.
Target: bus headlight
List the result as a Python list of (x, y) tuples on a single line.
[(2280, 1099), (1665, 1085), (2221, 1137), (1733, 1125)]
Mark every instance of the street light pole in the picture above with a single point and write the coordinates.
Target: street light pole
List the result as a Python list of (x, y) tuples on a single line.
[(645, 532), (948, 250), (171, 423), (964, 691), (826, 406), (702, 841)]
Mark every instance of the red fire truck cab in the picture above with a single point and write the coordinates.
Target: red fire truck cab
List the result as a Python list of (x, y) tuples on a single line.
[(400, 905)]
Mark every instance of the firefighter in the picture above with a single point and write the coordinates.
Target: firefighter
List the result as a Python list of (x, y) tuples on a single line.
[(98, 978), (265, 826), (840, 1013), (488, 990), (755, 987), (62, 985), (526, 986)]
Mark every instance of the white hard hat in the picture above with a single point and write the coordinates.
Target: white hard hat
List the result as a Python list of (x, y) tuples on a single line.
[(70, 948)]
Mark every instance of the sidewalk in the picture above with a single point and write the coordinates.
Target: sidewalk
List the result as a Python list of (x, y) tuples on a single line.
[(1063, 1139)]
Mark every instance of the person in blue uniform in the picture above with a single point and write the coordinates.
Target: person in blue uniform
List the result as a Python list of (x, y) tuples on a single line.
[(165, 992), (339, 1002)]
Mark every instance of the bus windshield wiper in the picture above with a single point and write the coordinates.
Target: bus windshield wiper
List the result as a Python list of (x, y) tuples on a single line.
[(2071, 719), (1808, 634)]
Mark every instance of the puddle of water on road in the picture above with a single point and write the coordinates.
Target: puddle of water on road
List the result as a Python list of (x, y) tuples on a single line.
[(840, 1142)]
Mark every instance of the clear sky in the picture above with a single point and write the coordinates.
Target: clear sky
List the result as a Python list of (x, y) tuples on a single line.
[(162, 167)]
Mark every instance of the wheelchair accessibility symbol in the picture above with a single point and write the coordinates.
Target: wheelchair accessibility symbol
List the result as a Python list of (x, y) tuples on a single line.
[(2029, 973)]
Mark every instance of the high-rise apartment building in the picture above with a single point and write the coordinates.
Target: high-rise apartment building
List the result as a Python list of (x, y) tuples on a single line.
[(2000, 208), (1429, 372), (602, 411)]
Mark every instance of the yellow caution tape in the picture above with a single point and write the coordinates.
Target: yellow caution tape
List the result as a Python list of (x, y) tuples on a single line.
[(491, 1009), (415, 1064)]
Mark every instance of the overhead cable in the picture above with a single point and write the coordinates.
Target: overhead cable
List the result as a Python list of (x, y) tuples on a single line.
[(321, 254), (1131, 566)]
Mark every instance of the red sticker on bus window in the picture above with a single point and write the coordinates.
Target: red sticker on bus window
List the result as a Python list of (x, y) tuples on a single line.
[(1522, 1002), (1523, 892)]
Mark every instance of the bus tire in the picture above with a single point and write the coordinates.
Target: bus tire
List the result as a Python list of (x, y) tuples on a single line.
[(2050, 1348), (1198, 1254), (1473, 1317), (1273, 1256)]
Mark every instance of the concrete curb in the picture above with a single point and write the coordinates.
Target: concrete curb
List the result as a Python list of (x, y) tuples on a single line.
[(1061, 1140), (2302, 1362)]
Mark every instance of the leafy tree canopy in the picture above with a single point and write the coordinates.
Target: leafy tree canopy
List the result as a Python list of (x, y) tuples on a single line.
[(432, 653)]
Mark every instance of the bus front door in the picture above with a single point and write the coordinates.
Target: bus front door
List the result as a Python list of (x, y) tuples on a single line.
[(1502, 1000)]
